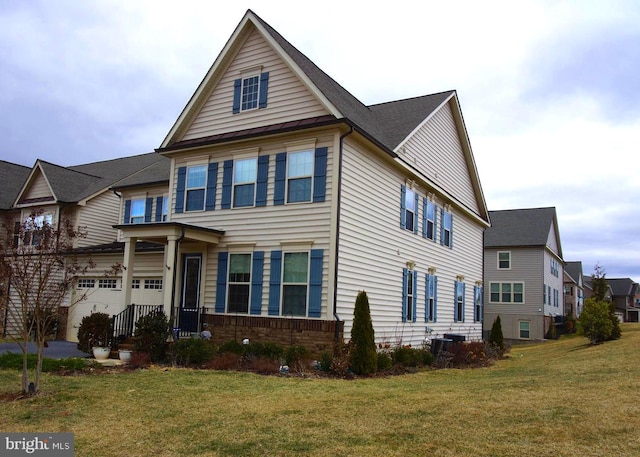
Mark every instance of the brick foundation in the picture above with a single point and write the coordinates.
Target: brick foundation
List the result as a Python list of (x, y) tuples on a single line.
[(316, 335)]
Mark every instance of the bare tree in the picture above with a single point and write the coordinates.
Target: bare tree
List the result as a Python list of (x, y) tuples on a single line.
[(38, 263)]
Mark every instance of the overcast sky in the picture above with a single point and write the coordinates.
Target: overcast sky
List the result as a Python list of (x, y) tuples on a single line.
[(550, 90)]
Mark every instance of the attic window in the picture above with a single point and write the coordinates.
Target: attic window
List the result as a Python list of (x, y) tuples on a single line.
[(250, 92)]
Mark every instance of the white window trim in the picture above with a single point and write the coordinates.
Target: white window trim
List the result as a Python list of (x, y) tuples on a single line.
[(498, 260)]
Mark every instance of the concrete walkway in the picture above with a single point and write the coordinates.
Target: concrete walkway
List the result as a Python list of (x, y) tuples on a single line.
[(56, 349)]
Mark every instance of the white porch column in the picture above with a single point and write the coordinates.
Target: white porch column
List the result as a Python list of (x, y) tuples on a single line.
[(127, 269), (169, 274)]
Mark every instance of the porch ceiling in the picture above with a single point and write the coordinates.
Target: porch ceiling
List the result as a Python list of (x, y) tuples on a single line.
[(160, 232)]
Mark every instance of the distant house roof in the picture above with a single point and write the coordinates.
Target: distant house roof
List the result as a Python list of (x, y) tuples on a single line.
[(76, 183), (574, 269), (520, 227), (12, 177), (156, 173), (622, 286)]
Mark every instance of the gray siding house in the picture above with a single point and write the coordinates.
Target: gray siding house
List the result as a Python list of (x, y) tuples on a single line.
[(524, 272)]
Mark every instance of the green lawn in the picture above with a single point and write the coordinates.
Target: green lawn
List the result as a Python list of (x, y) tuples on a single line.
[(559, 398)]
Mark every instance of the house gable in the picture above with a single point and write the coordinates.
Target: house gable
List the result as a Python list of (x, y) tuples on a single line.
[(439, 149), (251, 50), (36, 189)]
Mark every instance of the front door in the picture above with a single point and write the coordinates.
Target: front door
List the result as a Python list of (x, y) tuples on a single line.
[(192, 268)]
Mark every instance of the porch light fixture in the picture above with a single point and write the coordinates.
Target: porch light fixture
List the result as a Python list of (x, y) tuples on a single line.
[(460, 278), (431, 270), (411, 264)]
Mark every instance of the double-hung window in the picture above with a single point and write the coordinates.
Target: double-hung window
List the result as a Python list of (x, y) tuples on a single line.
[(295, 281), (524, 327), (244, 182), (430, 214), (446, 228), (477, 304), (165, 208), (299, 176), (137, 211), (239, 283), (196, 187), (431, 294), (409, 210), (504, 260), (34, 228), (458, 312), (409, 294)]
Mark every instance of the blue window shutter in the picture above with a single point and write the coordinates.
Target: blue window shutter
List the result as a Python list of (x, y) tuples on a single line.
[(315, 283), (415, 294), (280, 179), (403, 207), (320, 175), (451, 229), (221, 288), (227, 183), (435, 298), (263, 176), (426, 297), (127, 211), (544, 294), (274, 283), (159, 201), (405, 275), (435, 222), (424, 217), (415, 217), (237, 91), (264, 86), (256, 282), (148, 205), (455, 301), (212, 182), (182, 181), (442, 226), (464, 299)]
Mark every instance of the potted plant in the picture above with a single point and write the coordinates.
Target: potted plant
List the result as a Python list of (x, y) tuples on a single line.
[(94, 335)]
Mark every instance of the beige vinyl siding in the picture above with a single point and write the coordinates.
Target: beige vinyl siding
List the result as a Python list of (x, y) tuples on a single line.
[(374, 249), (38, 188), (435, 149), (98, 216), (288, 98), (261, 228)]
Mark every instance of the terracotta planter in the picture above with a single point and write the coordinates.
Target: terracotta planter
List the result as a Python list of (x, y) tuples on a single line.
[(101, 353)]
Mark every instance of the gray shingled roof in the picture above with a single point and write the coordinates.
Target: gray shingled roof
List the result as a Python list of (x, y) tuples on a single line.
[(519, 227), (12, 177), (574, 269), (387, 123), (75, 183), (156, 173), (622, 286)]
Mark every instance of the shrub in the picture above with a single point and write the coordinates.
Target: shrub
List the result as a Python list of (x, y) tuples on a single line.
[(595, 321), (384, 361), (262, 365), (364, 355), (231, 347), (471, 354), (296, 356), (95, 330), (496, 338), (616, 331), (152, 332), (192, 351), (266, 350), (411, 357), (224, 361), (340, 362)]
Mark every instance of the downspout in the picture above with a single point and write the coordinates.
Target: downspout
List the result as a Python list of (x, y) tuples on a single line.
[(337, 252), (172, 316)]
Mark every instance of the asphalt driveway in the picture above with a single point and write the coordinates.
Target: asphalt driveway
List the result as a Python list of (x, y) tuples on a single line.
[(56, 349)]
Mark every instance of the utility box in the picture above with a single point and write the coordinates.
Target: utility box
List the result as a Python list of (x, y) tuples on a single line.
[(440, 344), (455, 338)]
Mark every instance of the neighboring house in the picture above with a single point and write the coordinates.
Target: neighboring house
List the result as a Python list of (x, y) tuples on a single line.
[(12, 176), (523, 270), (624, 293), (286, 196), (573, 289), (81, 193)]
